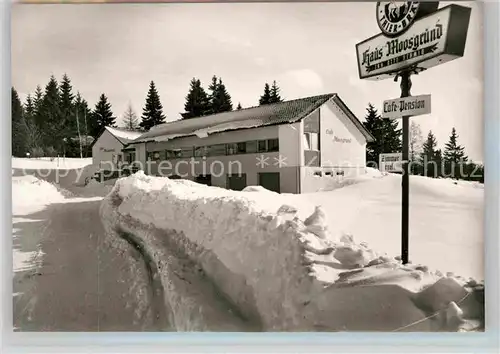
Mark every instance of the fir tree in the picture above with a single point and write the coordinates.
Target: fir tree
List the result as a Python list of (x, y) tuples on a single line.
[(438, 160), (239, 106), (454, 155), (197, 101), (152, 113), (29, 108), (67, 108), (385, 132), (87, 124), (37, 103), (220, 100), (212, 88), (428, 158), (130, 120), (37, 97), (49, 118), (266, 96), (102, 115), (275, 94), (17, 112)]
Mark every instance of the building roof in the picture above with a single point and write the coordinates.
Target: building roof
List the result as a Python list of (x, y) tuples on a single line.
[(124, 136), (272, 114)]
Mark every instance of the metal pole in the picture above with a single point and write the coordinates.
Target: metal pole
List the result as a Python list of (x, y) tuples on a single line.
[(405, 195)]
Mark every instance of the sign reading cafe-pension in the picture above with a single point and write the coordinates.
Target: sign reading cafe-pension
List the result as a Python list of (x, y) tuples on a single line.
[(406, 106), (429, 41)]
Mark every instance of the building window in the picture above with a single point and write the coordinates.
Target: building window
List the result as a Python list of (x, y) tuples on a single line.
[(328, 174), (173, 154), (311, 141), (262, 147), (251, 147), (273, 145), (236, 148), (186, 152), (131, 157), (153, 155), (340, 173), (217, 150), (201, 151), (317, 174)]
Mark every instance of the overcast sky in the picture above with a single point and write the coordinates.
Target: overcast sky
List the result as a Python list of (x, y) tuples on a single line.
[(309, 48)]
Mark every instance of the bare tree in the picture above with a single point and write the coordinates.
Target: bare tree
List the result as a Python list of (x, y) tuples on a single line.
[(130, 120), (416, 141), (32, 135)]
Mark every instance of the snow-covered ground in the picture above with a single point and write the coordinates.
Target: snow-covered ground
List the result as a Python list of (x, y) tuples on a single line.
[(48, 163), (446, 219), (285, 249), (31, 195)]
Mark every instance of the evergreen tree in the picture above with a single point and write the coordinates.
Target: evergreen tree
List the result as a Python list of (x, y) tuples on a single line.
[(69, 124), (130, 120), (454, 155), (37, 103), (385, 132), (29, 108), (86, 123), (197, 101), (266, 96), (152, 113), (102, 115), (275, 94), (428, 158), (18, 143), (220, 100), (37, 97), (438, 159), (239, 106), (212, 88), (49, 118)]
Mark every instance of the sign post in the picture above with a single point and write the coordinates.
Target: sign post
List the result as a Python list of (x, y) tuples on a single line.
[(405, 190), (415, 36)]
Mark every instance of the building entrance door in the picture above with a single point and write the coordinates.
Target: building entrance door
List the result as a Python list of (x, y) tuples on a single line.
[(270, 181), (204, 179), (237, 182)]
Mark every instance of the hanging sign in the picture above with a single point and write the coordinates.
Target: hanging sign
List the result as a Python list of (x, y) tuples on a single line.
[(432, 40), (407, 106), (391, 162)]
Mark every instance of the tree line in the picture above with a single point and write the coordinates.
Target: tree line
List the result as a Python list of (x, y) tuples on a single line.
[(55, 121), (425, 158)]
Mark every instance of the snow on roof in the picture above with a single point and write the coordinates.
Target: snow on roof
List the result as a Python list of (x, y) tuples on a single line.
[(124, 135), (270, 114)]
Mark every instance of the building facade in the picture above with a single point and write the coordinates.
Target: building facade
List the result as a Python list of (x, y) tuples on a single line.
[(107, 149), (290, 147)]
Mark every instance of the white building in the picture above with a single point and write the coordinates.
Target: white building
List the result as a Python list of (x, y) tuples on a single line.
[(295, 146), (107, 149)]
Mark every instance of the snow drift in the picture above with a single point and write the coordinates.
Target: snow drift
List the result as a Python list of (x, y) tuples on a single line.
[(278, 271)]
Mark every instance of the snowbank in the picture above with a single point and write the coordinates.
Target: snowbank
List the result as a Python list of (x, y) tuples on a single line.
[(445, 219), (66, 163), (281, 271), (29, 195)]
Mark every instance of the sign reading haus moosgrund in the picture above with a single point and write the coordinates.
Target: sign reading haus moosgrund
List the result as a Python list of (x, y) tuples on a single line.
[(432, 40)]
